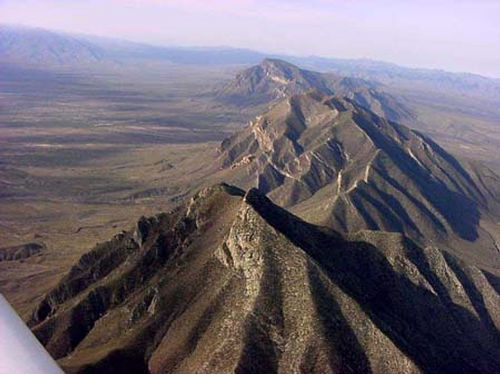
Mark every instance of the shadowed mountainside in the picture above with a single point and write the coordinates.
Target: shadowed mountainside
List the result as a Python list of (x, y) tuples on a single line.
[(230, 282), (343, 166)]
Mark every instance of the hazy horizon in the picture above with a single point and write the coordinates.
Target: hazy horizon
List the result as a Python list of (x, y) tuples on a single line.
[(452, 35)]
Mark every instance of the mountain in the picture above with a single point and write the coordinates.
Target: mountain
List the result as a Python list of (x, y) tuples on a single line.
[(35, 46), (270, 80), (46, 49), (459, 110), (337, 164), (274, 79), (230, 282), (393, 74)]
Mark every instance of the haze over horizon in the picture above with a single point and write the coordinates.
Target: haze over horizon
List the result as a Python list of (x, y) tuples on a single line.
[(454, 35)]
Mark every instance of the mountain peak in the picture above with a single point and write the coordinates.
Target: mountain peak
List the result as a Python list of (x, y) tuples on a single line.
[(281, 67), (268, 81), (340, 165), (274, 79), (254, 288), (277, 63)]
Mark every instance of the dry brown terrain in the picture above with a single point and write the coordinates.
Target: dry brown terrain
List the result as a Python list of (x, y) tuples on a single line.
[(83, 157), (230, 282), (84, 154)]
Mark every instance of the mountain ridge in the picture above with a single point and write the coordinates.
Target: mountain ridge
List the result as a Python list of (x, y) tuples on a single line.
[(274, 292), (337, 164), (384, 72), (350, 244), (274, 79)]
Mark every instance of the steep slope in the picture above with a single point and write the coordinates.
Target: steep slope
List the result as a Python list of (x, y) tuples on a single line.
[(274, 79), (232, 283), (340, 165), (270, 80)]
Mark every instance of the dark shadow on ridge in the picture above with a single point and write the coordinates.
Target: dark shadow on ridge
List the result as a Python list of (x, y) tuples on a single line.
[(345, 346), (475, 298), (425, 326), (461, 213), (493, 280)]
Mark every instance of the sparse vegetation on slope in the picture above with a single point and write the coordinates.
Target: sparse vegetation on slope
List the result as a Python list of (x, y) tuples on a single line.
[(234, 283), (340, 165)]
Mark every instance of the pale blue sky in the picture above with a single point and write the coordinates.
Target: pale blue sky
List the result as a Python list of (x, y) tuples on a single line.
[(456, 35)]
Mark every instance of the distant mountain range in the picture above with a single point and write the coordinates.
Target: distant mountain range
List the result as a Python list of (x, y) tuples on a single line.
[(47, 49), (42, 48)]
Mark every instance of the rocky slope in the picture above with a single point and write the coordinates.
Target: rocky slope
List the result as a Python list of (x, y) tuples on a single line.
[(342, 166), (275, 79), (20, 252), (230, 282)]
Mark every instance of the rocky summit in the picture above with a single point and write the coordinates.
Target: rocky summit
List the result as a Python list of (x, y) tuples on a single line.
[(274, 79), (230, 282), (337, 164)]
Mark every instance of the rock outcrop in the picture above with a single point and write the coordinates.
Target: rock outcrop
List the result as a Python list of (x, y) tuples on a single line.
[(230, 282), (337, 164), (275, 79), (20, 252)]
